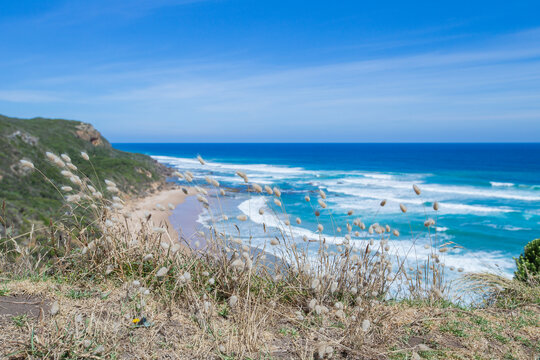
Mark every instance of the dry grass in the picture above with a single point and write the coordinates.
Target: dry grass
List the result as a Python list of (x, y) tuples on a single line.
[(231, 302)]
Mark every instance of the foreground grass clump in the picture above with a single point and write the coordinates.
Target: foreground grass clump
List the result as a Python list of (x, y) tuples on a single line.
[(113, 286), (528, 264)]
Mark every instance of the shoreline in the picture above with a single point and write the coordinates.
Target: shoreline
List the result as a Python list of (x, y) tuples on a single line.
[(141, 207)]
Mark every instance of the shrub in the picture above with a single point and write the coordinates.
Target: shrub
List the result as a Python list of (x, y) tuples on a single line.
[(528, 263)]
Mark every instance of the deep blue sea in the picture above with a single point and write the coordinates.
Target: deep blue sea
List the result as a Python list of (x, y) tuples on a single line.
[(489, 194)]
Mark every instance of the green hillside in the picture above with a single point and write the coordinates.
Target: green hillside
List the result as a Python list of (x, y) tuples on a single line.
[(28, 197)]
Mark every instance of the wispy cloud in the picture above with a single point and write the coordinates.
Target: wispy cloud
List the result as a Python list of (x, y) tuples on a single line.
[(29, 96), (495, 85), (82, 12)]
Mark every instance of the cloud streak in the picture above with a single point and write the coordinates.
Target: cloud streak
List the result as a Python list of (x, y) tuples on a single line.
[(495, 85)]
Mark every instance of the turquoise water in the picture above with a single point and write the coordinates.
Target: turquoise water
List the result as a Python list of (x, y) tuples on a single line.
[(489, 194)]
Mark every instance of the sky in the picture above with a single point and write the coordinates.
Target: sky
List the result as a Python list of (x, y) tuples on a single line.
[(276, 71)]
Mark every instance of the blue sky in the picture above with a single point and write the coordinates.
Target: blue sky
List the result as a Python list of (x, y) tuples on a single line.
[(249, 71)]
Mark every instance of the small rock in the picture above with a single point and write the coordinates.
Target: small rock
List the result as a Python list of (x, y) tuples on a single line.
[(87, 343), (365, 325), (54, 308), (99, 350), (415, 356), (423, 347)]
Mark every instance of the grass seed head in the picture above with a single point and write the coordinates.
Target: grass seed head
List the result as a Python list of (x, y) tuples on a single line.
[(27, 164), (233, 300), (162, 272), (66, 158)]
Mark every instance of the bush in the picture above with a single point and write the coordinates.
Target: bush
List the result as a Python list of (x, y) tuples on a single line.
[(528, 263)]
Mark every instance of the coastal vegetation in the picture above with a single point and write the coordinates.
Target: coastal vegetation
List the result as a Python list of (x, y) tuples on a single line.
[(30, 200), (103, 284)]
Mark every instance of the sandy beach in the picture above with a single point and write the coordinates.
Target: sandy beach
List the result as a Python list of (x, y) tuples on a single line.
[(158, 206)]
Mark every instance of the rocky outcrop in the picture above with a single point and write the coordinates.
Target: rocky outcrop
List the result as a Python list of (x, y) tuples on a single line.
[(24, 136), (88, 133)]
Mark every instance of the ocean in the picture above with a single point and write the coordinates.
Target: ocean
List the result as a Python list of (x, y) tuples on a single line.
[(489, 194)]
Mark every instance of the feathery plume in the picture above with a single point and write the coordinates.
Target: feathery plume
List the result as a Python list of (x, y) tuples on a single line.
[(27, 164), (242, 175), (76, 180), (58, 162), (233, 300), (52, 157), (162, 272), (159, 230), (416, 190), (268, 190), (85, 156), (403, 208), (73, 198), (201, 160), (66, 158), (436, 206)]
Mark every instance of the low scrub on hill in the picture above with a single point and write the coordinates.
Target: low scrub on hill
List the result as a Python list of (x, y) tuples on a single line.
[(30, 199)]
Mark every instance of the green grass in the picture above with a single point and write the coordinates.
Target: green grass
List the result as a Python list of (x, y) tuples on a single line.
[(286, 331), (79, 294), (20, 320)]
